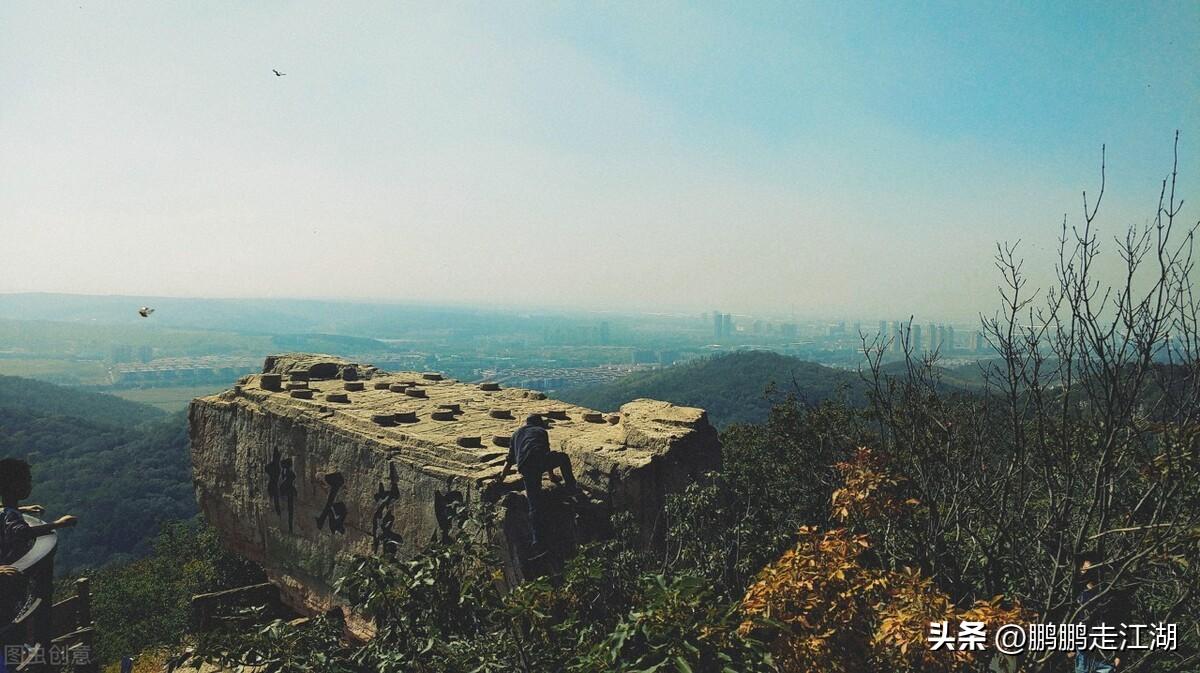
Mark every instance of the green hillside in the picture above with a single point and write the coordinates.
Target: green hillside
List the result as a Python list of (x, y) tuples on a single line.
[(18, 394), (731, 387), (121, 467)]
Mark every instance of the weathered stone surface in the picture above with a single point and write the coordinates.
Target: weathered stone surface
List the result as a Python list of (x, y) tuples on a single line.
[(302, 486), (305, 366)]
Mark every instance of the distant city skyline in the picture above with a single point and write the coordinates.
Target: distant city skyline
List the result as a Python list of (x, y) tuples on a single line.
[(735, 321), (834, 159), (102, 341)]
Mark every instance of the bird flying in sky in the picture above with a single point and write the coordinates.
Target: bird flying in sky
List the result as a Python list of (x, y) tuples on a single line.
[(277, 73), (145, 311)]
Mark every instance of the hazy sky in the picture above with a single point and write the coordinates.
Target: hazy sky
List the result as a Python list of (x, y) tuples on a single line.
[(823, 157)]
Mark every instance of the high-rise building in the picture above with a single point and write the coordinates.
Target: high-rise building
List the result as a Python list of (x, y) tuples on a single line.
[(727, 325), (916, 344), (718, 325), (975, 342), (949, 338)]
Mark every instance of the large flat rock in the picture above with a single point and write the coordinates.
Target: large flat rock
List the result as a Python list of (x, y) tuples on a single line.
[(303, 485)]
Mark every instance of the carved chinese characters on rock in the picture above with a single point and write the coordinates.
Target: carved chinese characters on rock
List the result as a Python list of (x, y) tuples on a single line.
[(281, 485), (447, 508), (334, 512), (383, 538)]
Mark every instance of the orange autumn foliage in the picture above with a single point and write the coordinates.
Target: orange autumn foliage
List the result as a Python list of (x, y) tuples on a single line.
[(822, 596), (824, 610), (870, 490)]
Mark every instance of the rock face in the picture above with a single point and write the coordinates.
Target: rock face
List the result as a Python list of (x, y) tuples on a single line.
[(318, 460)]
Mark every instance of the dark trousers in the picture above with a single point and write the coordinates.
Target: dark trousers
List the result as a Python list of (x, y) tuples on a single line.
[(532, 476)]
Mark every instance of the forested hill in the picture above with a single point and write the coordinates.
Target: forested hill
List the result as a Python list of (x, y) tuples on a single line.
[(121, 467), (731, 387), (47, 399)]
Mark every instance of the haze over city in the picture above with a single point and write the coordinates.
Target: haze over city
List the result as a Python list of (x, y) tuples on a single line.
[(844, 159)]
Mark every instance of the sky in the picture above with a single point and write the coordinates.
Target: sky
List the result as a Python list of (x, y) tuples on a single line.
[(833, 158)]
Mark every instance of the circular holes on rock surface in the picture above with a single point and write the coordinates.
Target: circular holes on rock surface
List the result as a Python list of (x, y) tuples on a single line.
[(593, 417), (489, 386), (470, 442), (381, 385), (432, 376), (557, 414), (502, 440), (405, 417), (353, 385), (297, 385), (383, 419), (442, 415), (501, 413), (302, 393), (298, 376), (415, 392), (337, 397), (398, 387), (452, 408)]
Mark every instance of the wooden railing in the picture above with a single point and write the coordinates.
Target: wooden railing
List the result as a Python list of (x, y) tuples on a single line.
[(208, 608)]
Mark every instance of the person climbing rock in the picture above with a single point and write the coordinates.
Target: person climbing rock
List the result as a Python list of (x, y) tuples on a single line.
[(529, 451)]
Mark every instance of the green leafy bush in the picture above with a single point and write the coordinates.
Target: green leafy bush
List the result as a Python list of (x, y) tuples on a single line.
[(148, 602)]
